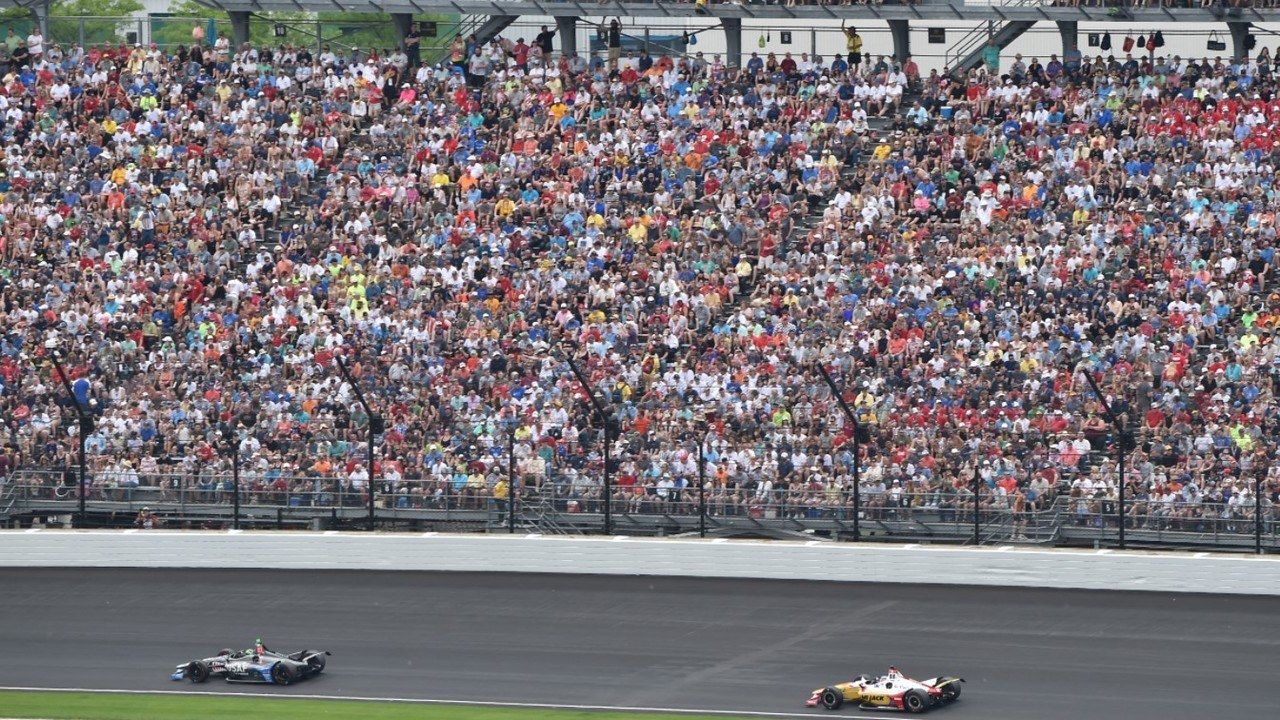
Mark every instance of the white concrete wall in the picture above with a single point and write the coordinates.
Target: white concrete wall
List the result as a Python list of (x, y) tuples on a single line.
[(813, 560), (1185, 39)]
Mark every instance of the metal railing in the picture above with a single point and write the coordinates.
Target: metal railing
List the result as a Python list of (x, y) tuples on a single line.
[(945, 513), (979, 34)]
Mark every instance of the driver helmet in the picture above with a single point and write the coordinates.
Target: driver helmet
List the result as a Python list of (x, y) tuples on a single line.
[(224, 651)]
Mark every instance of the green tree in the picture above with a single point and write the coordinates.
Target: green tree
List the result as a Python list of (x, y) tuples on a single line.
[(341, 30), (112, 21)]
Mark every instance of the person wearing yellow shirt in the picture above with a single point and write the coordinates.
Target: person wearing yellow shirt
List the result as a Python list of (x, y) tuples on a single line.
[(637, 232), (360, 307), (441, 180), (505, 207), (853, 46), (595, 220), (356, 290), (881, 153), (109, 126)]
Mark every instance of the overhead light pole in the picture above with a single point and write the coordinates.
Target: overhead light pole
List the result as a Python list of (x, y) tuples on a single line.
[(608, 425), (374, 426), (857, 449), (1122, 442), (86, 425)]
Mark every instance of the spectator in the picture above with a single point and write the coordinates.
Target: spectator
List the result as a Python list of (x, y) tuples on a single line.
[(853, 45), (147, 520), (213, 231)]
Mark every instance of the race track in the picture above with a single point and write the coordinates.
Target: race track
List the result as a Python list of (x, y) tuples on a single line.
[(652, 642)]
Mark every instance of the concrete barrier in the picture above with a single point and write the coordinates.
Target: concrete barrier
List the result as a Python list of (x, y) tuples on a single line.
[(841, 562)]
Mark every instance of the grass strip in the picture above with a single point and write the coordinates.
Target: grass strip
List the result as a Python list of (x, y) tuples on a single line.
[(119, 706)]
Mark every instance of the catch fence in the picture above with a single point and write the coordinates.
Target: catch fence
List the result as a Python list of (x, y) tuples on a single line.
[(947, 514)]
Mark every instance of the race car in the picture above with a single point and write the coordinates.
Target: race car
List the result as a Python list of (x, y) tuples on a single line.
[(892, 690), (255, 665)]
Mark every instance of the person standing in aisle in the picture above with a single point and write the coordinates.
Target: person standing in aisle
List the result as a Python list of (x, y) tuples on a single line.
[(853, 44), (615, 43)]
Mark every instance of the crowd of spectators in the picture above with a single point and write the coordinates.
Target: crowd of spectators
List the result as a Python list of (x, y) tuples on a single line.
[(200, 232)]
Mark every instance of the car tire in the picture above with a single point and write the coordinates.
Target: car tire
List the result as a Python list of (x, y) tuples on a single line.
[(951, 693), (832, 698), (197, 671), (915, 701), (283, 673), (316, 663)]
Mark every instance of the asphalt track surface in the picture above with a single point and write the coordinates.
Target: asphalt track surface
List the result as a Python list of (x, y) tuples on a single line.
[(752, 645)]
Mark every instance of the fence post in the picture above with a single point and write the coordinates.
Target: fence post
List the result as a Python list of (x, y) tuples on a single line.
[(702, 486), (81, 28), (857, 484), (1257, 513), (1121, 439), (608, 485), (512, 493), (235, 480), (977, 526)]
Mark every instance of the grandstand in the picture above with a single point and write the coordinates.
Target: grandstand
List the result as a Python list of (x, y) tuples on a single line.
[(1043, 289)]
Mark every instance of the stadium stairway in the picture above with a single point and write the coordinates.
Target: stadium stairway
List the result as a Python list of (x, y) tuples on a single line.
[(967, 53), (876, 126)]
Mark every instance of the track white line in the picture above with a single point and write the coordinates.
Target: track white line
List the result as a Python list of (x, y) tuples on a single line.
[(436, 701)]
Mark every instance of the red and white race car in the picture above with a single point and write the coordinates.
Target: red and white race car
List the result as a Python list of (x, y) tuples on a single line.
[(893, 690)]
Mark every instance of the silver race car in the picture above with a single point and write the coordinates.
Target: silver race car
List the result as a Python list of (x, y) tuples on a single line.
[(255, 665)]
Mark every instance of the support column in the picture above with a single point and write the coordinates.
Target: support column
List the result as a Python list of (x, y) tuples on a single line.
[(41, 12), (901, 32), (1069, 31), (1239, 36), (239, 28), (567, 29), (402, 22), (732, 41)]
